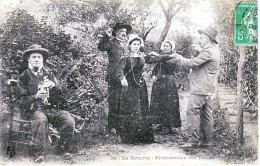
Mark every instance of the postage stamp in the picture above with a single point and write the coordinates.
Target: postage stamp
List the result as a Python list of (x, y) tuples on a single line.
[(246, 23)]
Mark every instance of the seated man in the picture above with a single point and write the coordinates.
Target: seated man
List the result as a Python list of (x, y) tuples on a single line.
[(38, 92)]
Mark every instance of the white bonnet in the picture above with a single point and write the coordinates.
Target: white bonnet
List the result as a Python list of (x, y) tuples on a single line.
[(135, 36), (168, 41)]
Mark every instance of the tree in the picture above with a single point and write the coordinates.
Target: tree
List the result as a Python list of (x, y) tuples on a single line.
[(173, 8), (145, 19), (240, 74), (238, 65)]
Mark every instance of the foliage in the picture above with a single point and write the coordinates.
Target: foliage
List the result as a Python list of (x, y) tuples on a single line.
[(173, 8), (88, 11), (80, 71), (230, 54), (81, 67), (228, 74), (76, 62), (184, 47), (226, 146), (251, 79), (21, 31)]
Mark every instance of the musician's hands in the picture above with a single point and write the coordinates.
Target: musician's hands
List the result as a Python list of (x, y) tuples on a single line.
[(154, 78), (49, 84), (41, 94), (124, 84)]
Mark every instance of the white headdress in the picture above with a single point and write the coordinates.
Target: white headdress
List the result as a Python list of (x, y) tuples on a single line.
[(135, 36), (170, 42)]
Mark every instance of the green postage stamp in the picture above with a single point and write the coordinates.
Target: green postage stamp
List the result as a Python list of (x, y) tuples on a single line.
[(246, 29)]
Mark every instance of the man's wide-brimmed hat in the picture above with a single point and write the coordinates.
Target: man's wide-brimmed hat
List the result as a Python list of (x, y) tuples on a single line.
[(120, 26), (210, 32), (35, 48)]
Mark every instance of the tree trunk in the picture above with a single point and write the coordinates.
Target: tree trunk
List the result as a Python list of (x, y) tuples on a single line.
[(164, 32), (241, 65), (146, 34)]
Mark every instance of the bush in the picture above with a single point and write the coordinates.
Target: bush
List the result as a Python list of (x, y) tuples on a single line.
[(228, 74), (226, 144), (81, 71)]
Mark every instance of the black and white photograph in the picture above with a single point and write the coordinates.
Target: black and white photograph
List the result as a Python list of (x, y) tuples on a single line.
[(128, 82)]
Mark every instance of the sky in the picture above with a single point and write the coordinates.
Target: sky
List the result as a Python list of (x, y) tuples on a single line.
[(34, 7), (200, 15)]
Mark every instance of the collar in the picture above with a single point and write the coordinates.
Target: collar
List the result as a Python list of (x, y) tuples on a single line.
[(120, 40), (31, 68), (136, 55)]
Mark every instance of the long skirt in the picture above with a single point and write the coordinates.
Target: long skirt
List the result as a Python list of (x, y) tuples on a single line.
[(134, 119), (164, 105)]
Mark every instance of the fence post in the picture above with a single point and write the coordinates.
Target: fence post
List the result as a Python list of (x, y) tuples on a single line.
[(241, 64)]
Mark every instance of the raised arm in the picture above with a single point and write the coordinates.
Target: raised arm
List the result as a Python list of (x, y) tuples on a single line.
[(104, 43)]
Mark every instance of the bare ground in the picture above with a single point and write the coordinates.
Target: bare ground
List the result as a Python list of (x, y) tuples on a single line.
[(166, 150)]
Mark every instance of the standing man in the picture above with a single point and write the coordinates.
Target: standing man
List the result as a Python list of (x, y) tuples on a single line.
[(116, 48), (39, 100), (203, 84)]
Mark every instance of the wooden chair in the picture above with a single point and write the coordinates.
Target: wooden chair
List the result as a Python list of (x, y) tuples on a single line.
[(20, 132)]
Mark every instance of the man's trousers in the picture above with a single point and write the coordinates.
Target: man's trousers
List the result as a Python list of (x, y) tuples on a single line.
[(200, 119), (114, 92), (62, 120)]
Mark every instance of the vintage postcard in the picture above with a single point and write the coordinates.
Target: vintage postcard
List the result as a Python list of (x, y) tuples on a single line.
[(127, 82)]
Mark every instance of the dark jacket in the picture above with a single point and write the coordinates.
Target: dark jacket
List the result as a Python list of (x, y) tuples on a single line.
[(163, 68), (28, 87), (115, 51)]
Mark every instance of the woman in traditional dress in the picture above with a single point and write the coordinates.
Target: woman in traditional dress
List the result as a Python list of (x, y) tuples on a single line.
[(164, 98), (135, 124)]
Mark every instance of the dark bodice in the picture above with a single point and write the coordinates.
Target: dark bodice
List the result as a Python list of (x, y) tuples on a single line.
[(131, 68), (164, 68)]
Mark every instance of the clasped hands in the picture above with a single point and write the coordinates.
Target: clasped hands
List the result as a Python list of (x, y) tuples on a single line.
[(153, 53), (176, 57)]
